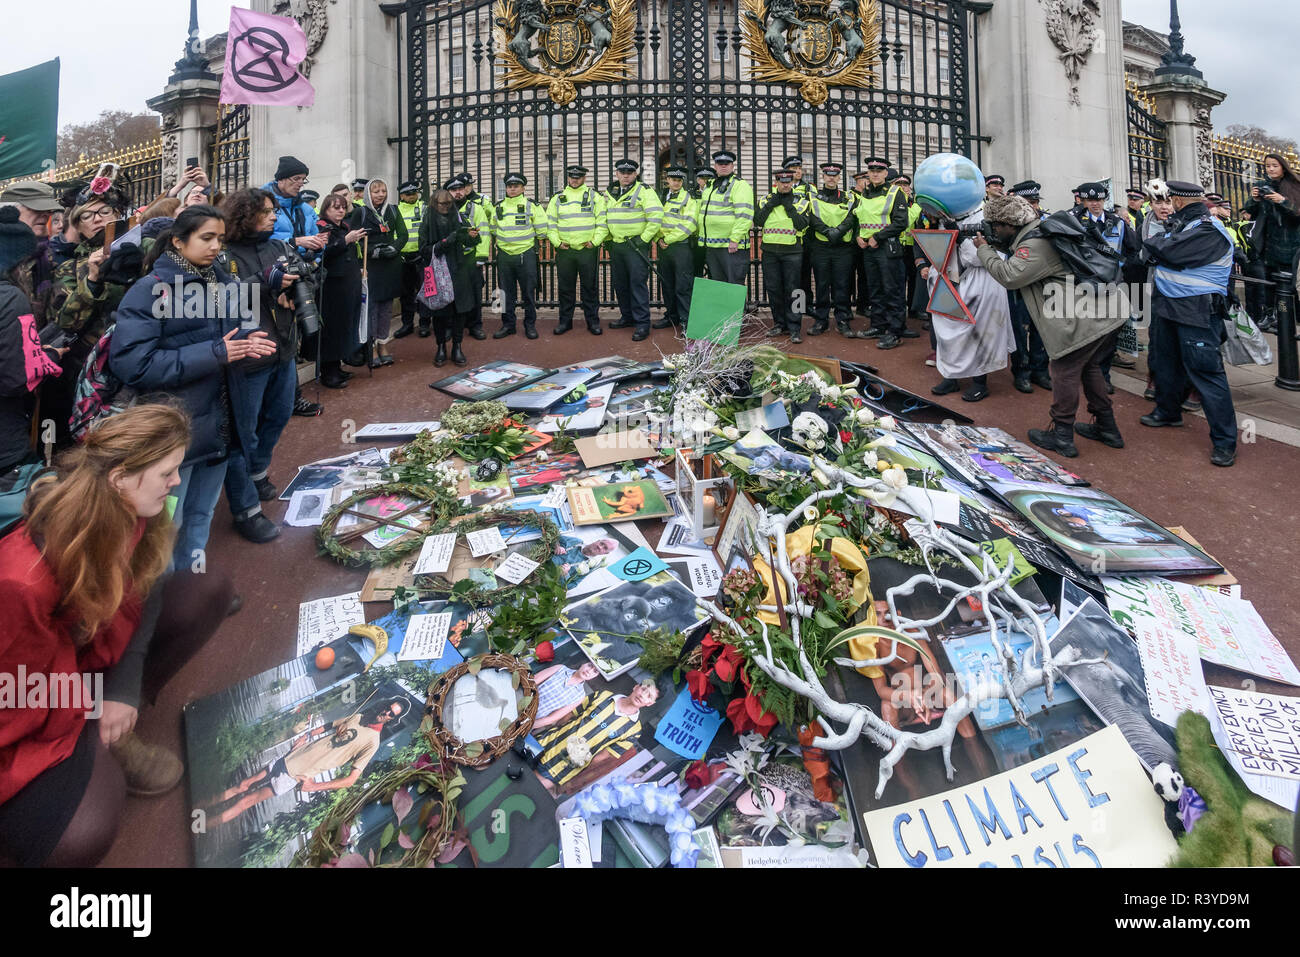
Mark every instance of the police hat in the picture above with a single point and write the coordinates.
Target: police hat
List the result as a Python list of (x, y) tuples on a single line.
[(875, 162), (792, 161), (359, 183), (309, 196), (1092, 191), (995, 179), (676, 171), (452, 183), (1135, 192), (1214, 199), (891, 174), (900, 178), (860, 175), (516, 179), (465, 179), (705, 173), (1187, 190), (410, 186), (575, 170), (832, 169), (724, 156), (1029, 189), (785, 176), (626, 165)]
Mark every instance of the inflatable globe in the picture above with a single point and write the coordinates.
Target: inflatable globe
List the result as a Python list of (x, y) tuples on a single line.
[(948, 186)]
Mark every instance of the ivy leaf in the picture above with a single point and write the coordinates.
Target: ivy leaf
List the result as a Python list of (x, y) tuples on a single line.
[(402, 803), (525, 701), (473, 750), (387, 837), (514, 680)]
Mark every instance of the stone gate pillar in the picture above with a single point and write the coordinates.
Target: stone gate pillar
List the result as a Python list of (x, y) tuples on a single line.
[(1184, 101), (188, 104)]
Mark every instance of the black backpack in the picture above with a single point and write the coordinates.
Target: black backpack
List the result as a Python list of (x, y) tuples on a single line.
[(1088, 256)]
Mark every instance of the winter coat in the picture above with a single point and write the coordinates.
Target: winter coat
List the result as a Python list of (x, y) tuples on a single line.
[(448, 235), (17, 333), (254, 262), (87, 306), (1275, 239), (179, 356), (1036, 270), (340, 297), (387, 231), (294, 218)]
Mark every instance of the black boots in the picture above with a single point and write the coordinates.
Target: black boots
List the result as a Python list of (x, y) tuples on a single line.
[(530, 330), (1059, 439), (440, 357), (1103, 430), (457, 356)]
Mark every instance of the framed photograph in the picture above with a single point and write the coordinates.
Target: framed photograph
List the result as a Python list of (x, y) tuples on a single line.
[(987, 455), (541, 395), (739, 530), (580, 415), (529, 472), (490, 381), (758, 454), (621, 502), (827, 364), (614, 368)]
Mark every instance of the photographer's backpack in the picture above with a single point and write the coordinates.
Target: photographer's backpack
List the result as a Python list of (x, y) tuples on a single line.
[(1088, 256)]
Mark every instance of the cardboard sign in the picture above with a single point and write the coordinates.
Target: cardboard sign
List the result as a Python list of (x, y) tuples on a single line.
[(641, 564), (688, 727), (610, 447), (717, 311), (323, 620)]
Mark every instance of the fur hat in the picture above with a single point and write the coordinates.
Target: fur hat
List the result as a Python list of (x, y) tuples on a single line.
[(1011, 210)]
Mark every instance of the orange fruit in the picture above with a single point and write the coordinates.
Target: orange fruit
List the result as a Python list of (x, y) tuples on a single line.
[(325, 659)]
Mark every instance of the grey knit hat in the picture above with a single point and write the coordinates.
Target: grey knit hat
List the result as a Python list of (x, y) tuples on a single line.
[(1012, 210)]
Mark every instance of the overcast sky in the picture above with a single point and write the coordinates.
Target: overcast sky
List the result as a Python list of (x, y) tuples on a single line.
[(117, 54)]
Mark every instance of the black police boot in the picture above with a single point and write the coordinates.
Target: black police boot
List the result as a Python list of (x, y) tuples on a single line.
[(775, 331), (818, 327), (622, 324), (946, 387), (1042, 380), (407, 327), (1023, 384), (503, 332), (795, 336), (663, 323), (1059, 439), (594, 328), (1223, 457), (477, 332), (640, 333), (530, 330), (425, 330), (457, 356), (1104, 430), (563, 326)]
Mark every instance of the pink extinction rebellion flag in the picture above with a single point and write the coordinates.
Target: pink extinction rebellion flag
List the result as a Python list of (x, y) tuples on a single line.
[(262, 56)]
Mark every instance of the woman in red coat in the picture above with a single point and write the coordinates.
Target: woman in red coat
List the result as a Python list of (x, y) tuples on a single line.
[(90, 628)]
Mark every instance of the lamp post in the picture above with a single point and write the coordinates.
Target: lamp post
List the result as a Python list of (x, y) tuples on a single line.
[(1177, 61), (192, 65)]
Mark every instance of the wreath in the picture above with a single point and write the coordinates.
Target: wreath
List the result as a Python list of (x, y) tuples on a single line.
[(475, 594), (335, 546), (462, 418), (478, 754)]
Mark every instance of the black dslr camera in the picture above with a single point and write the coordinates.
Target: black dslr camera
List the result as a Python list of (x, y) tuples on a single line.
[(1265, 187), (302, 291)]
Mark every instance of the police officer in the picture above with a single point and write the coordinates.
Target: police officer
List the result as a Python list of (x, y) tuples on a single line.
[(1136, 203), (882, 219), (783, 219), (834, 224), (519, 224), (861, 183), (411, 209), (359, 191), (794, 164), (575, 225), (726, 217), (1127, 243), (676, 260), (995, 184), (904, 182), (1192, 266), (478, 210), (1029, 361), (633, 217), (703, 177)]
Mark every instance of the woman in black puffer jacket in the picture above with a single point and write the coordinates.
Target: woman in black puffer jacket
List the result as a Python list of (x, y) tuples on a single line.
[(446, 231), (387, 235)]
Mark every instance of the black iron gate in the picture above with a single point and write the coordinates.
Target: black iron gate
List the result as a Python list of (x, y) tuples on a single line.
[(687, 91), (1146, 140)]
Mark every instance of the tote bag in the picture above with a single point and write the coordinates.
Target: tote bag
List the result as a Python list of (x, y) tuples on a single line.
[(437, 290)]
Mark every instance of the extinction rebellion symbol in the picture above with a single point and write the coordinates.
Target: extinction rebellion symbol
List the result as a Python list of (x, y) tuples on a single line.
[(637, 566), (267, 69)]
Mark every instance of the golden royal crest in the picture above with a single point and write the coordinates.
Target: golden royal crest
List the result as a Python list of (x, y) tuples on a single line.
[(563, 44), (815, 44)]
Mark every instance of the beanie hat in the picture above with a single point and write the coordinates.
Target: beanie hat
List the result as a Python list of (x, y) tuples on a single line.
[(17, 241), (290, 166), (1011, 210)]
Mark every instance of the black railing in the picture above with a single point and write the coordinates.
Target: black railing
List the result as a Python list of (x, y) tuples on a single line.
[(1147, 149)]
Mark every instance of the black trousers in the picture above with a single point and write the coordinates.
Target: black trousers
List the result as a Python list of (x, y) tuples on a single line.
[(726, 266), (476, 317), (572, 265), (631, 278), (697, 256), (1030, 356), (806, 274), (833, 270), (518, 273), (885, 281), (861, 296), (1186, 357), (412, 280), (909, 271), (677, 274), (1260, 299), (782, 266)]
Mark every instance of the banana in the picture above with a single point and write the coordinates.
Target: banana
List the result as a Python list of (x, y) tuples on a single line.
[(376, 636)]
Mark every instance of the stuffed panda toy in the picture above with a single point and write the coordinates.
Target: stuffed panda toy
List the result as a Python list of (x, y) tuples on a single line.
[(1168, 783)]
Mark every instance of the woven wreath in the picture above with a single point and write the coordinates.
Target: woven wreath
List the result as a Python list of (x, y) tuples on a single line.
[(327, 535), (478, 754), (476, 595)]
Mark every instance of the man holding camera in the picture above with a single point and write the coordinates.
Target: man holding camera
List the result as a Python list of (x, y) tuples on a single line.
[(633, 217)]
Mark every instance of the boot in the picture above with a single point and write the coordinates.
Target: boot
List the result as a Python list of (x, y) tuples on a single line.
[(440, 357), (384, 358), (1041, 379), (505, 330), (405, 330), (1059, 439), (457, 356), (1103, 430), (563, 326), (530, 330), (818, 327), (946, 387), (150, 771)]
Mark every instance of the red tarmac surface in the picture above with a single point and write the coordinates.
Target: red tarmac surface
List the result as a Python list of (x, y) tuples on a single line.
[(1243, 516)]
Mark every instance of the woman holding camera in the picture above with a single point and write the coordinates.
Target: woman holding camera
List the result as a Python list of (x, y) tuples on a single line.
[(1275, 207), (173, 348), (386, 233), (340, 298)]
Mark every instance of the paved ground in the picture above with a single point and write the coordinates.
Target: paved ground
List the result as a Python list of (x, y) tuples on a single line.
[(1244, 516)]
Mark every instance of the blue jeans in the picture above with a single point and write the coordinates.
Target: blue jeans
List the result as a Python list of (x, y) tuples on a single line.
[(196, 499), (260, 413)]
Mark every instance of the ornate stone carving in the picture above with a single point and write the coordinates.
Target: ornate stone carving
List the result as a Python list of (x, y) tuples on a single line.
[(313, 17), (815, 44), (1204, 147), (1072, 25), (563, 43), (171, 150)]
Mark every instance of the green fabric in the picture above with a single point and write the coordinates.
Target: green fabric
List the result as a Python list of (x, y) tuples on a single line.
[(717, 310), (30, 132)]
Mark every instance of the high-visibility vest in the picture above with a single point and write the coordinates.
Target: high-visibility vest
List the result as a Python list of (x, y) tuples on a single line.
[(479, 213), (576, 216), (873, 211), (1198, 280), (779, 229), (1112, 230), (1239, 238), (726, 213), (637, 212), (913, 215), (681, 212), (518, 224), (833, 212), (413, 213)]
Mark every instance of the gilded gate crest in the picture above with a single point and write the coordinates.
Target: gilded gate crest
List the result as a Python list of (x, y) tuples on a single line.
[(563, 44), (814, 44)]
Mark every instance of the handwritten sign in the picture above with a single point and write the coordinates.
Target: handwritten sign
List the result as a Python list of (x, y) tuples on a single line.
[(426, 637), (688, 727), (1087, 805), (1263, 729), (485, 541), (435, 554), (516, 568), (323, 620)]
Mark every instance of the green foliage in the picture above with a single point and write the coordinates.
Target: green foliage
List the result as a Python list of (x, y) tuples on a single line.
[(526, 617), (662, 650)]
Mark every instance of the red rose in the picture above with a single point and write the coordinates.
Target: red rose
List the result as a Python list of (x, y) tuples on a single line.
[(846, 435), (763, 722), (728, 664), (739, 716), (709, 648), (698, 684), (700, 775), (545, 651)]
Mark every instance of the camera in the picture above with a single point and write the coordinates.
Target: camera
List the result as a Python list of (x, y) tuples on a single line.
[(304, 295), (984, 229), (1265, 187)]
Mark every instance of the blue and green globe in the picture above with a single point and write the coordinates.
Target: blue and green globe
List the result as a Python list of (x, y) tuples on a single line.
[(948, 185)]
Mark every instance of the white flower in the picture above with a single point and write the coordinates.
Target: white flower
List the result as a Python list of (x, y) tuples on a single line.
[(699, 424), (810, 424), (887, 423), (811, 514), (870, 459), (884, 442), (731, 433), (864, 416), (895, 478), (831, 393), (821, 477), (542, 456), (584, 568)]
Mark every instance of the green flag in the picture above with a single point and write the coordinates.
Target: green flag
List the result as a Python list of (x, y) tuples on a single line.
[(717, 311), (29, 135)]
